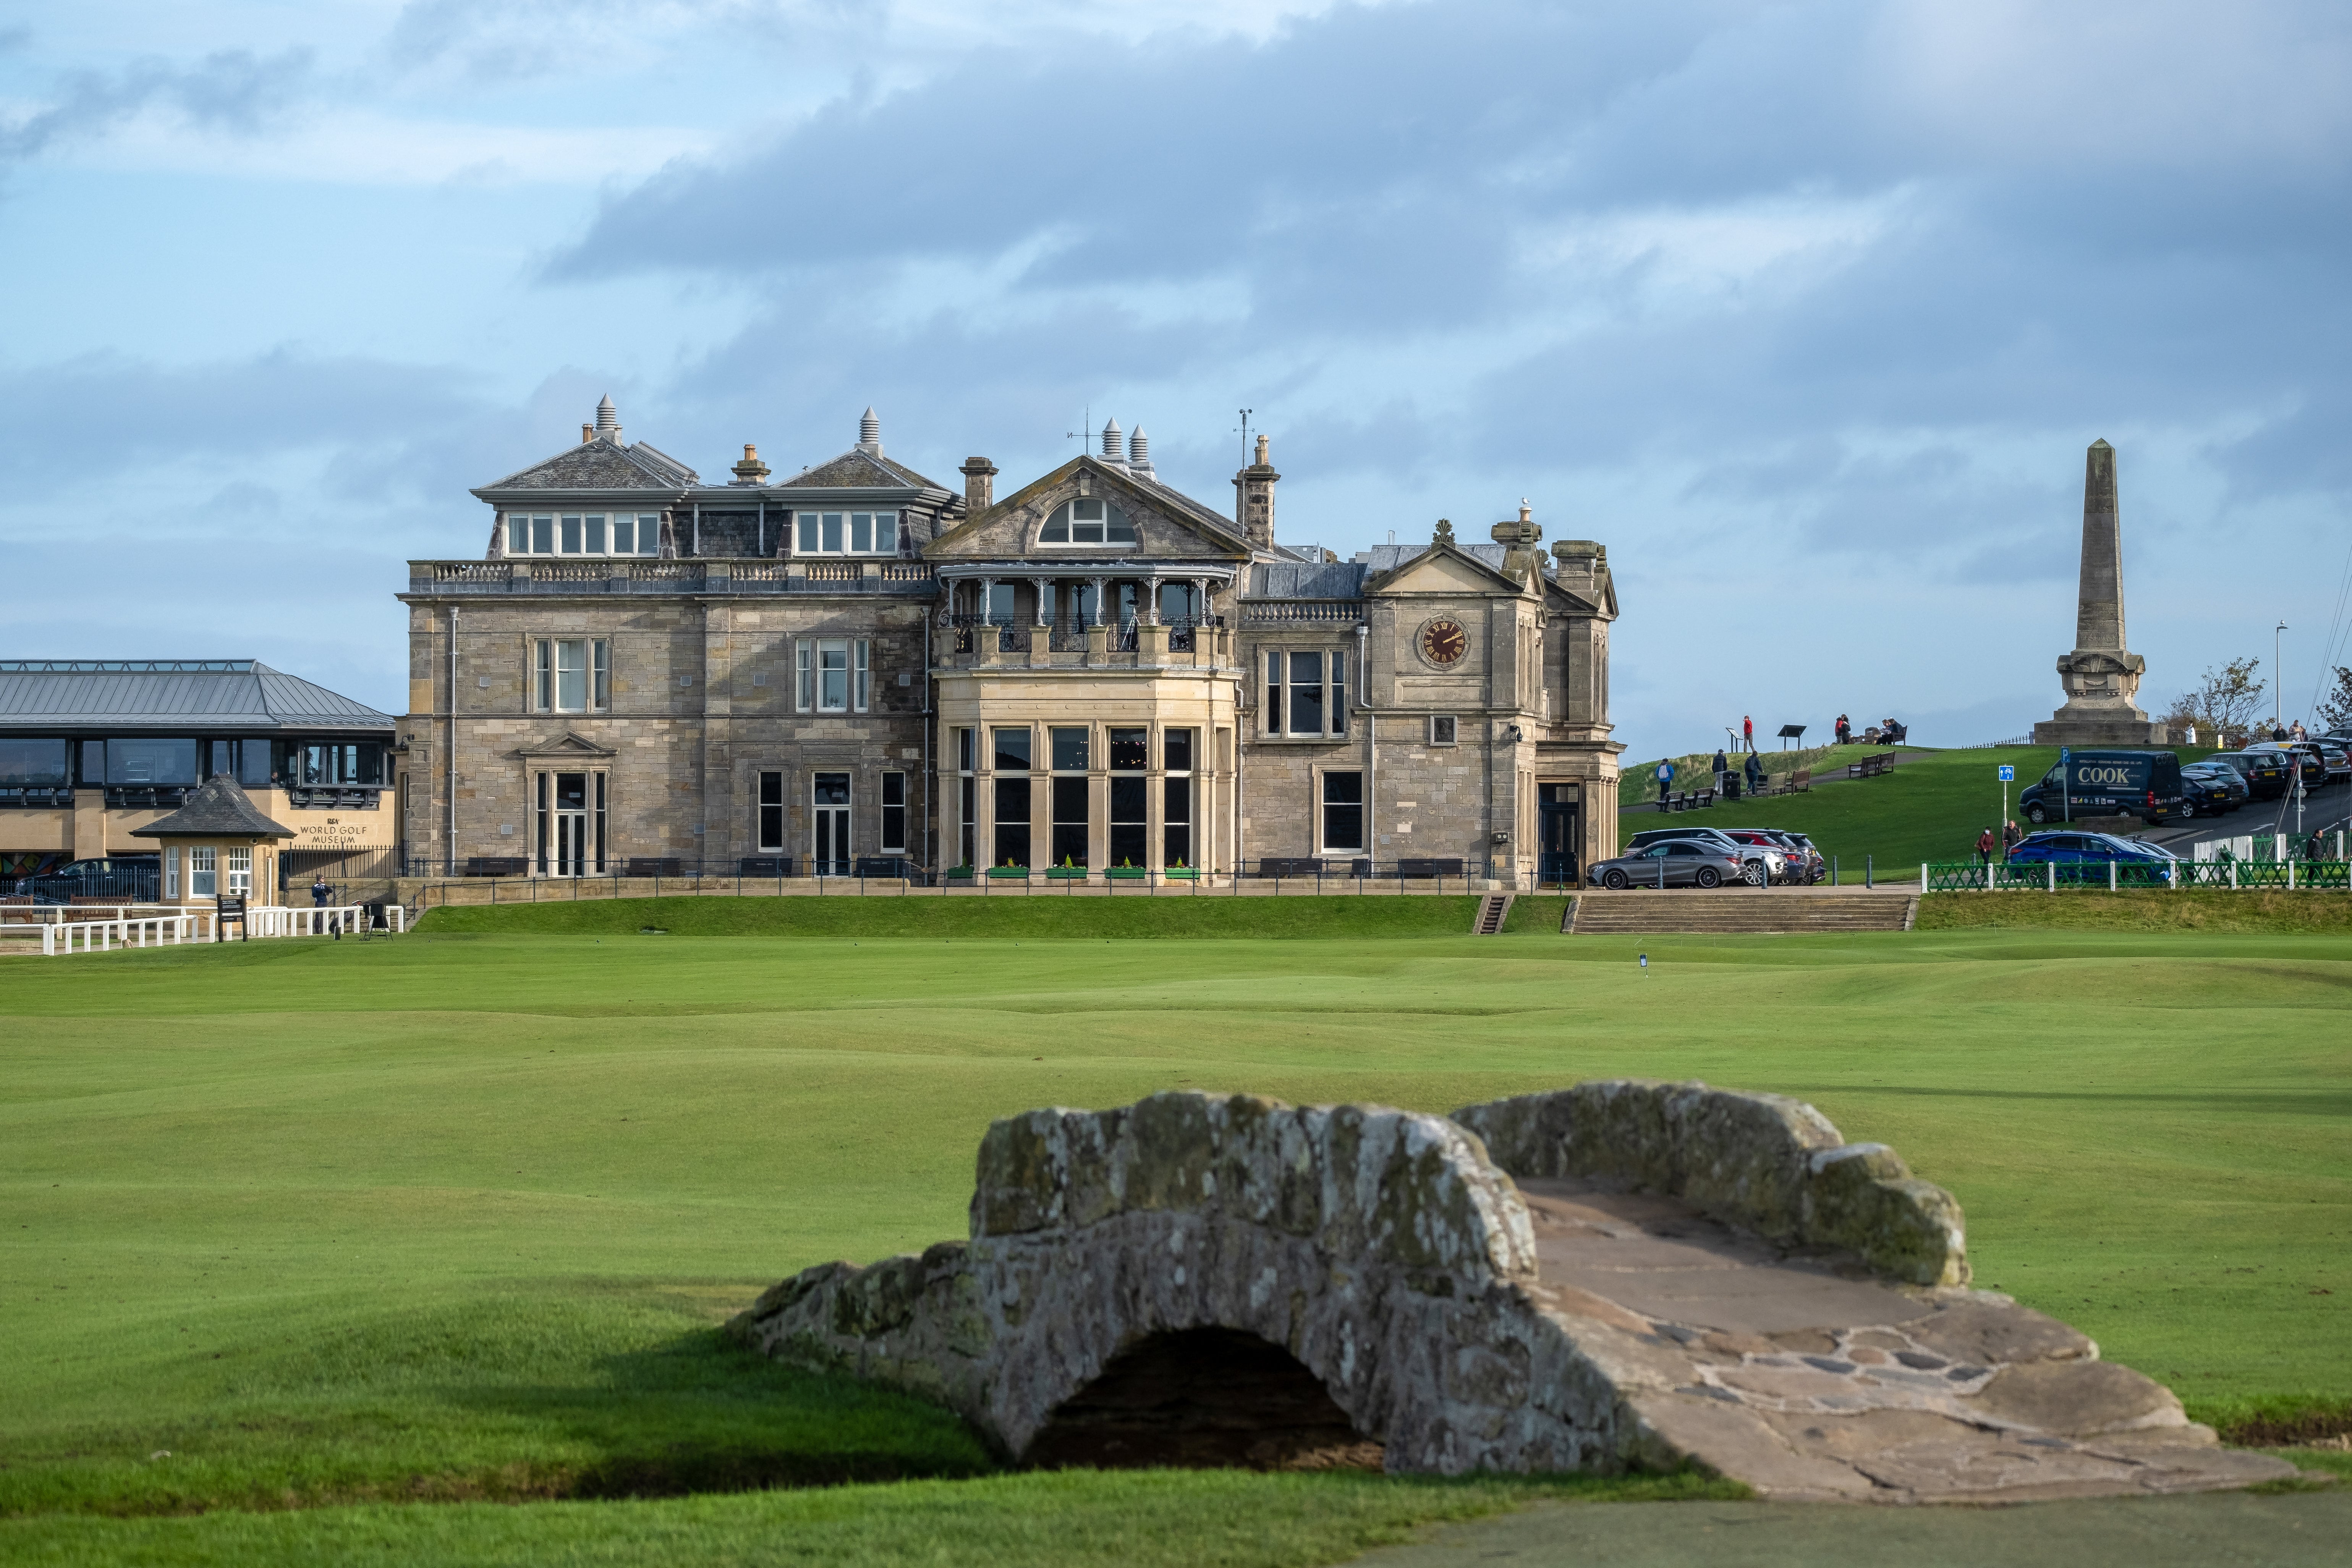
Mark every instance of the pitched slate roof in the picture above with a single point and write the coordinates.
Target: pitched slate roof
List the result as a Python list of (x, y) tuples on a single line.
[(1302, 580), (217, 810), (171, 693), (600, 464), (857, 470)]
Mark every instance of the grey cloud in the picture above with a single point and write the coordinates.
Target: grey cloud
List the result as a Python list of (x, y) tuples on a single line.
[(234, 90)]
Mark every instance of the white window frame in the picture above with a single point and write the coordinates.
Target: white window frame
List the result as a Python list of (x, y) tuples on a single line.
[(1444, 730), (580, 531), (810, 687), (1333, 685), (1061, 524), (547, 672), (204, 871), (836, 532), (239, 870), (172, 873)]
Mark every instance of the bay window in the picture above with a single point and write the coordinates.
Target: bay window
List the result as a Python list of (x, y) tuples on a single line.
[(572, 675), (832, 675), (584, 534), (1305, 692), (847, 532)]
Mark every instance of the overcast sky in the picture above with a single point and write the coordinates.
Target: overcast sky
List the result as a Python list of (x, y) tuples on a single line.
[(1807, 311)]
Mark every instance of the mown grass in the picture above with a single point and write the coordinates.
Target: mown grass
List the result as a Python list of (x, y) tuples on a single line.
[(456, 1217), (1010, 916)]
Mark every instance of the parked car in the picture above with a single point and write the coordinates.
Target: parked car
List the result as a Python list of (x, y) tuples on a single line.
[(2266, 773), (1759, 864), (1799, 863), (2213, 789), (133, 878), (2301, 754), (2084, 857), (2146, 785), (1673, 863)]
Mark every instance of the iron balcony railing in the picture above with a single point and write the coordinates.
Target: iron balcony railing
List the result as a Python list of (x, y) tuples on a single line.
[(653, 576)]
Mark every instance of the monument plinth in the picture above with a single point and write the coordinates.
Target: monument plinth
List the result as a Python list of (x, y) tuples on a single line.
[(2101, 676)]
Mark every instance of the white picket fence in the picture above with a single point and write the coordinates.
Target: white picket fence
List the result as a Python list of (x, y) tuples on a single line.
[(199, 926)]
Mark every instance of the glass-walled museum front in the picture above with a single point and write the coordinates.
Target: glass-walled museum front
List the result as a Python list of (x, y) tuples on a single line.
[(159, 770)]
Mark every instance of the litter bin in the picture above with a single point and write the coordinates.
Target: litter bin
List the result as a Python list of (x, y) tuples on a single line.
[(1731, 786)]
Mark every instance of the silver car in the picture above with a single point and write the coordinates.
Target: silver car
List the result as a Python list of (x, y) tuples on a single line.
[(1760, 863), (1671, 863)]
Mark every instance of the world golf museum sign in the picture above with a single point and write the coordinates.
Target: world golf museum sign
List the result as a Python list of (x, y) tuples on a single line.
[(372, 830)]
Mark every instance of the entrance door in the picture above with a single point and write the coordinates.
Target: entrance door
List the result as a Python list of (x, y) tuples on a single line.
[(831, 801), (1557, 825), (571, 814)]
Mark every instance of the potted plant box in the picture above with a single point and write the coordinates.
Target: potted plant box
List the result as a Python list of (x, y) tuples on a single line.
[(1127, 873), (1008, 873), (1066, 873)]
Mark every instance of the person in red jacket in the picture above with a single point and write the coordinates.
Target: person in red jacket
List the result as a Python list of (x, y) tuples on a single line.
[(1985, 842), (1747, 730)]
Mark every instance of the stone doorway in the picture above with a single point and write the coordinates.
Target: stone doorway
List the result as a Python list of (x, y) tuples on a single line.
[(1202, 1399)]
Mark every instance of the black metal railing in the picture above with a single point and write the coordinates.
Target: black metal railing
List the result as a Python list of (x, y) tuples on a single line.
[(35, 796)]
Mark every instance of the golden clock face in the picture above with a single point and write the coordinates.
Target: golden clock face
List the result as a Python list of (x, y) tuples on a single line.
[(1443, 642)]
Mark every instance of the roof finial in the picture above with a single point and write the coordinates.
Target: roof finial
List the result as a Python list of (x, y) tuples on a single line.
[(1139, 452), (1445, 534), (608, 419), (869, 432), (1114, 448), (1526, 512)]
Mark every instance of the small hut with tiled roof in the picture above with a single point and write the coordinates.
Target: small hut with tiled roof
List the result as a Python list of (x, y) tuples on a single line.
[(217, 846)]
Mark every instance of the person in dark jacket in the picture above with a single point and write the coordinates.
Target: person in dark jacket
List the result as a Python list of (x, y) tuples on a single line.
[(1722, 772), (1754, 773), (321, 895)]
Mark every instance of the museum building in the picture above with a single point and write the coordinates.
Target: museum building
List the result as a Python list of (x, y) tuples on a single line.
[(91, 750), (859, 669)]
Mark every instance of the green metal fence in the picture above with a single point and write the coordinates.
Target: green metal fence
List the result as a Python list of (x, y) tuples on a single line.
[(2001, 877)]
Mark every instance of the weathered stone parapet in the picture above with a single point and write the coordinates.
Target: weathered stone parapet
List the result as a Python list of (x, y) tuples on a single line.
[(1377, 1247), (1762, 1162)]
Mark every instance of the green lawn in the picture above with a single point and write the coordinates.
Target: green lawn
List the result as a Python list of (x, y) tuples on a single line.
[(1931, 806), (453, 1217)]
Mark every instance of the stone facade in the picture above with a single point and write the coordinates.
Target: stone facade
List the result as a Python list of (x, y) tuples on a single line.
[(1095, 671)]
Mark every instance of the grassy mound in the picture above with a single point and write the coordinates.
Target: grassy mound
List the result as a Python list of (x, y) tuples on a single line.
[(1040, 915)]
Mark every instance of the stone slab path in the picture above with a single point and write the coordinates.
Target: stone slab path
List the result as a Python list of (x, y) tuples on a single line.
[(2301, 1529), (1811, 1379)]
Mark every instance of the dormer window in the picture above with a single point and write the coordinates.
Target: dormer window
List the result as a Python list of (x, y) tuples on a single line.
[(584, 534), (1088, 522), (847, 532)]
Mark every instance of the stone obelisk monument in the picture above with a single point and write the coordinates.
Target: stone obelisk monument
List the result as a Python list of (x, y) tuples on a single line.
[(2101, 676)]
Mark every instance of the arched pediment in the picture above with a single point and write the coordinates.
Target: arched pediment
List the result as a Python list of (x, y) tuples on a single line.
[(1165, 523)]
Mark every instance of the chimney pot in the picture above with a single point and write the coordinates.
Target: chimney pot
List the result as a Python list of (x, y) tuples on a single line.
[(979, 486), (587, 433)]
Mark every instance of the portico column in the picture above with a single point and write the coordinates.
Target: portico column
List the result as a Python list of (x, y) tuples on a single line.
[(987, 598), (1200, 600), (1149, 608), (1044, 585), (1102, 594)]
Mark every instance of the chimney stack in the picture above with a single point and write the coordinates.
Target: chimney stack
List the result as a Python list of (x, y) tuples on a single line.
[(750, 471), (979, 486), (1255, 484)]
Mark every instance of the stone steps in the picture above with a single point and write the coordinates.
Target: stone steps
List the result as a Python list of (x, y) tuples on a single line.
[(1739, 913)]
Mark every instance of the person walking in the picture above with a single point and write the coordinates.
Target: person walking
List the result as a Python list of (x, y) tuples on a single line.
[(1722, 772), (1754, 773), (321, 895), (1665, 779), (1984, 848), (2011, 836), (1748, 732)]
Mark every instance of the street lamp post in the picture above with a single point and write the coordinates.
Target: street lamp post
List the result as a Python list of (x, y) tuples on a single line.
[(2278, 681)]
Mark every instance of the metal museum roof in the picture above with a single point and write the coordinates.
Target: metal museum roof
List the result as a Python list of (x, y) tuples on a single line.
[(178, 694)]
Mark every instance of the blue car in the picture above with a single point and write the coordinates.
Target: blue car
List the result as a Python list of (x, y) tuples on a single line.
[(2085, 857)]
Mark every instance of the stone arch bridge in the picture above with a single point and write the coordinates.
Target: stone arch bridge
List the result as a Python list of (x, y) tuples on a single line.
[(1619, 1276)]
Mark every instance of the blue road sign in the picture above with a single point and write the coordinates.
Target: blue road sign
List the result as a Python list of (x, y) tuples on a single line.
[(2008, 774)]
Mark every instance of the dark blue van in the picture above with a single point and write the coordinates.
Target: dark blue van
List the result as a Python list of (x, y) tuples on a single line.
[(2146, 785)]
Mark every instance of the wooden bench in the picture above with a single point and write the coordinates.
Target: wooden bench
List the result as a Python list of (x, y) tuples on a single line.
[(1870, 767), (1289, 866), (765, 866), (890, 866), (1427, 869), (497, 865), (652, 865)]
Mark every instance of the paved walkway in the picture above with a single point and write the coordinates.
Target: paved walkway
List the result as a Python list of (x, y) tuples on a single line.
[(2229, 1530), (1809, 1378)]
